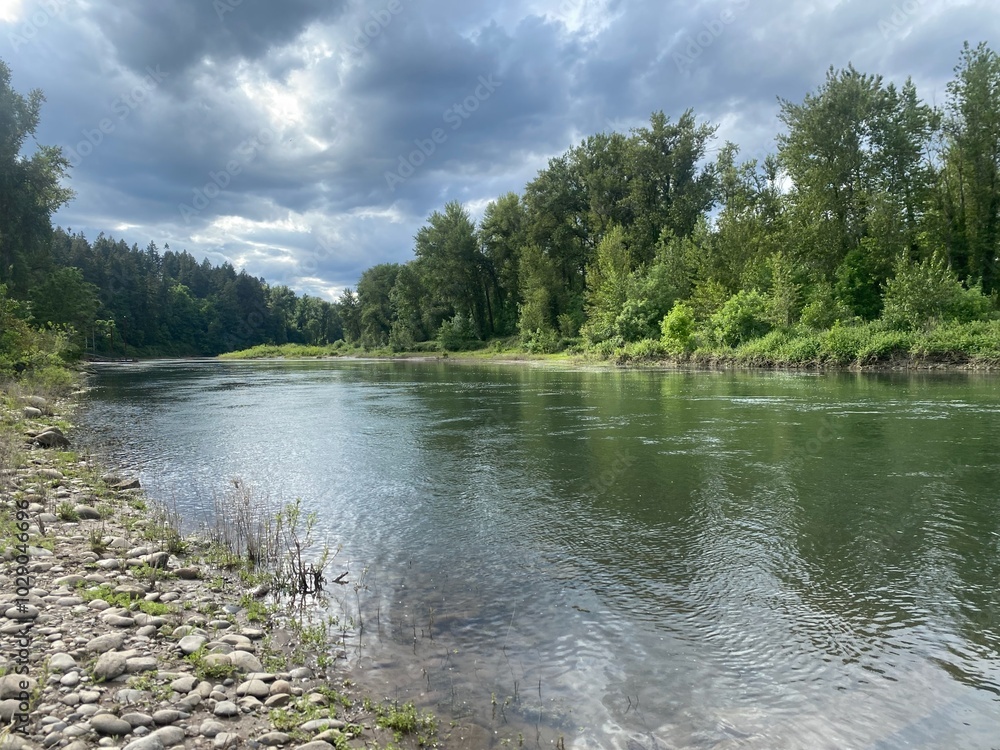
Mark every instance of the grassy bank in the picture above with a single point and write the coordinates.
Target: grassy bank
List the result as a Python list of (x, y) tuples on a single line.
[(873, 346)]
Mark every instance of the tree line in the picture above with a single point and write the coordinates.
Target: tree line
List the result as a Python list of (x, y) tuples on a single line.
[(875, 209), (875, 206)]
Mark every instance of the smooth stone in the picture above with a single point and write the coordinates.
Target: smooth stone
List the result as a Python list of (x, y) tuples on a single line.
[(218, 660), (110, 665), (129, 696), (137, 720), (98, 605), (188, 574), (170, 736), (277, 701), (302, 673), (62, 663), (281, 686), (139, 664), (118, 621), (274, 739), (315, 745), (7, 710), (110, 725), (191, 643), (318, 725), (150, 742), (167, 716), (253, 688), (147, 632), (229, 739), (86, 513), (88, 697), (210, 728), (11, 685), (104, 643), (70, 680), (184, 685), (246, 662), (226, 709), (27, 612)]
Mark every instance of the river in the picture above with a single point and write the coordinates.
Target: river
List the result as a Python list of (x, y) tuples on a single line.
[(621, 559)]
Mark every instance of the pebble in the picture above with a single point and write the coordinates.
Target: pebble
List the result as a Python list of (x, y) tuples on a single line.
[(105, 643), (211, 728), (136, 720), (184, 685), (109, 724), (254, 688), (167, 716), (151, 742), (110, 665), (274, 739), (191, 643), (62, 663), (226, 709)]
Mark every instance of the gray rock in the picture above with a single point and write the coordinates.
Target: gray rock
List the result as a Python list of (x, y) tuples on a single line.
[(314, 745), (12, 685), (191, 643), (188, 574), (62, 663), (211, 728), (277, 701), (228, 739), (183, 685), (132, 592), (110, 725), (7, 710), (302, 673), (87, 513), (246, 662), (137, 720), (226, 709), (167, 716), (150, 742), (274, 739), (129, 696), (141, 664), (110, 665), (169, 736), (253, 688), (70, 680), (15, 742), (30, 412), (218, 660), (281, 686), (88, 697), (318, 725), (158, 560), (23, 612), (104, 643), (52, 474), (52, 438), (118, 621)]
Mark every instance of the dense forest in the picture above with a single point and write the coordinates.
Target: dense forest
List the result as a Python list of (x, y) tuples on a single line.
[(873, 230)]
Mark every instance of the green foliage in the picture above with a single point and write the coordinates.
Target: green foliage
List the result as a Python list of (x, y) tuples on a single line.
[(823, 309), (458, 334), (678, 330), (925, 293), (744, 316), (66, 512)]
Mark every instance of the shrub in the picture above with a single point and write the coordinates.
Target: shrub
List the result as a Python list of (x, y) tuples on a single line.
[(743, 317), (925, 293), (678, 329), (823, 309), (457, 334)]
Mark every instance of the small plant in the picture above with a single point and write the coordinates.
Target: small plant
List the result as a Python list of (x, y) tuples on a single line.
[(98, 544), (205, 670), (66, 512)]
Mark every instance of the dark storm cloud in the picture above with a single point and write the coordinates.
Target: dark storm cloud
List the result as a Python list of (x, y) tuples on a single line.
[(185, 33), (349, 92)]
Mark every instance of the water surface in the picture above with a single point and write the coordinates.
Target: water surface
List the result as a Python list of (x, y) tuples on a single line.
[(623, 559)]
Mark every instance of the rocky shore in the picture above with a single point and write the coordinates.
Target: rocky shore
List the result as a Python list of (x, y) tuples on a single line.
[(117, 633)]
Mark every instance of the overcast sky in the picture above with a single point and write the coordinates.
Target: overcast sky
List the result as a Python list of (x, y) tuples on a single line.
[(305, 140)]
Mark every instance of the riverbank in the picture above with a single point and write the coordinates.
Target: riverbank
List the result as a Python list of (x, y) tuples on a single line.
[(117, 631)]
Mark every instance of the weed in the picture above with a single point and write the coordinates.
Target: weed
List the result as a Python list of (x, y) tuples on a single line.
[(66, 512), (205, 670), (97, 542)]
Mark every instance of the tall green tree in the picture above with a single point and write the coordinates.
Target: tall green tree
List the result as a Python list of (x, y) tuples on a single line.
[(857, 155), (30, 189), (968, 197), (502, 235)]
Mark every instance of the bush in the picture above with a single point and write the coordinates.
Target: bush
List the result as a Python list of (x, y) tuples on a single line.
[(925, 293), (823, 309), (457, 334), (678, 329), (743, 317), (542, 341)]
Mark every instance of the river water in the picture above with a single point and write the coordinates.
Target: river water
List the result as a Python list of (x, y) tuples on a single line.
[(621, 559)]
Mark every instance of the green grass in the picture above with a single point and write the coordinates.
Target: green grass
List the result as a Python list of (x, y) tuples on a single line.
[(289, 351), (66, 512)]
